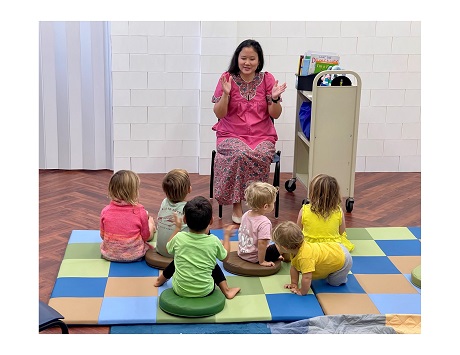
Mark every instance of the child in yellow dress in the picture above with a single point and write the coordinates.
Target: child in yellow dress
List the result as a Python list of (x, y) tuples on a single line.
[(322, 220)]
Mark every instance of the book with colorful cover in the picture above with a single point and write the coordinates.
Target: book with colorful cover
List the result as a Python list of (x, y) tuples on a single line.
[(320, 61)]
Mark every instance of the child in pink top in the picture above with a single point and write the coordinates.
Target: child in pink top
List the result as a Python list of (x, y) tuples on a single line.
[(125, 225), (254, 234)]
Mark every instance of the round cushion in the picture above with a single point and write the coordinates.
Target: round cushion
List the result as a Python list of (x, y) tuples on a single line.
[(416, 276), (238, 266), (153, 259), (191, 307)]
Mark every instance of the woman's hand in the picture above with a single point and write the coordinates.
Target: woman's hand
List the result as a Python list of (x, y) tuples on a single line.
[(278, 90), (226, 84)]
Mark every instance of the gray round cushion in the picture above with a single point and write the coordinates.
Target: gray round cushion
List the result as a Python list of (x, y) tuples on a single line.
[(238, 266), (191, 307), (153, 259)]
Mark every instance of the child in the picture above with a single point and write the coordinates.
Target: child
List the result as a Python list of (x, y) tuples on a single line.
[(195, 252), (255, 229), (327, 260), (125, 225), (176, 186), (322, 220)]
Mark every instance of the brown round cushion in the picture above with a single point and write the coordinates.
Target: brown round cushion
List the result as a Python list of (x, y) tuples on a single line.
[(238, 266), (153, 259)]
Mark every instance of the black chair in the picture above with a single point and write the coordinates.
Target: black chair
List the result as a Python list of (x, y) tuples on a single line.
[(276, 180), (49, 317)]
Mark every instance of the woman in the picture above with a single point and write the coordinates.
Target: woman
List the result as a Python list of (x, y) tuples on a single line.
[(245, 102)]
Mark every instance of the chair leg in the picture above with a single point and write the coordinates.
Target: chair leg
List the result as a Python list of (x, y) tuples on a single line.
[(56, 323), (220, 211), (211, 183)]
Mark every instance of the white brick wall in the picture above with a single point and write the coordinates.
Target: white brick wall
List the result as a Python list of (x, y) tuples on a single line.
[(164, 74)]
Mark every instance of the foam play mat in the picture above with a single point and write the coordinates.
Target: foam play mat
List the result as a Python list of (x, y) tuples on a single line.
[(90, 290)]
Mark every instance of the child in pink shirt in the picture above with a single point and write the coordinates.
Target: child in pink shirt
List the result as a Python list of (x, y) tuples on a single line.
[(254, 234), (125, 225)]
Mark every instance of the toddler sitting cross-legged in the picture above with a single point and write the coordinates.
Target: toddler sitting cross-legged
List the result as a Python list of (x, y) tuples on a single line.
[(194, 266)]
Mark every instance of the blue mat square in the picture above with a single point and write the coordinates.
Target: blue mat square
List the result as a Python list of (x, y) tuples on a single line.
[(133, 269), (397, 303), (79, 287), (373, 265), (128, 310), (219, 233), (291, 307), (85, 236), (352, 286), (417, 231), (400, 247)]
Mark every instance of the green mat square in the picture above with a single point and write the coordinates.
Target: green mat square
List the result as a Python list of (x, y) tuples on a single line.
[(275, 284), (285, 267), (358, 234), (249, 285), (83, 251), (244, 307), (88, 268), (390, 233), (366, 248)]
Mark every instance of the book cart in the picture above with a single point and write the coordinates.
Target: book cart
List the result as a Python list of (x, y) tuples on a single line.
[(333, 133)]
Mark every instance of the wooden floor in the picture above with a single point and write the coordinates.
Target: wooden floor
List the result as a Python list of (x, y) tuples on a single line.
[(71, 200)]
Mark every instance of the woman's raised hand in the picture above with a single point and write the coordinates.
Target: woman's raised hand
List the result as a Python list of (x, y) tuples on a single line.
[(226, 84), (278, 89)]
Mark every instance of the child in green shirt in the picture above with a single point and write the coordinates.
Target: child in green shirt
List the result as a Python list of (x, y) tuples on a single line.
[(195, 252)]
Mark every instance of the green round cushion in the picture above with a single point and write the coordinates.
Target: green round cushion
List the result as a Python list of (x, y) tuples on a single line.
[(238, 266), (153, 259), (416, 276), (192, 307)]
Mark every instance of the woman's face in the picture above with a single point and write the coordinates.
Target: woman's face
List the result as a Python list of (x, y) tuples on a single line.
[(248, 61)]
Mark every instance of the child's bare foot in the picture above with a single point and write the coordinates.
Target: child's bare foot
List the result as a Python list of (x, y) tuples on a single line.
[(228, 292), (231, 292), (160, 281)]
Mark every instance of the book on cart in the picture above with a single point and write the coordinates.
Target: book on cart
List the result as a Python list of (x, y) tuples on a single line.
[(315, 62)]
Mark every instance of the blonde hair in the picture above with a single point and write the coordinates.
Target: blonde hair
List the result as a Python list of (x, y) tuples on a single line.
[(324, 195), (176, 185), (124, 186), (288, 235), (258, 193)]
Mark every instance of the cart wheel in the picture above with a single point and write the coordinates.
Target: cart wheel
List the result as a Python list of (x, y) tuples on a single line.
[(290, 185), (349, 204)]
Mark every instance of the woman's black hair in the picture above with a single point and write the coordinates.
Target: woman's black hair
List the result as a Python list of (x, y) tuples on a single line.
[(233, 67)]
